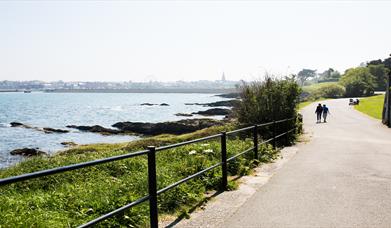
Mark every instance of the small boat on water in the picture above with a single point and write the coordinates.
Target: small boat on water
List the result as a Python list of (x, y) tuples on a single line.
[(27, 91)]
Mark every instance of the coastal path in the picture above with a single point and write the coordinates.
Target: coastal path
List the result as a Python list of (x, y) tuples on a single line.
[(341, 177)]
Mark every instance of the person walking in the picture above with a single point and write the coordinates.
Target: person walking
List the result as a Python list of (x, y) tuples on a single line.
[(318, 111), (325, 112)]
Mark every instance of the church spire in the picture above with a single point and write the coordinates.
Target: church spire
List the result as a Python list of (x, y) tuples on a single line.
[(223, 77)]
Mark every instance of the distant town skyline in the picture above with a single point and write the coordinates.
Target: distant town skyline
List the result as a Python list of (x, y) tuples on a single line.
[(187, 40)]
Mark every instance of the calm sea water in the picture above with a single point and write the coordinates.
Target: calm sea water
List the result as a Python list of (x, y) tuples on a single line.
[(57, 110)]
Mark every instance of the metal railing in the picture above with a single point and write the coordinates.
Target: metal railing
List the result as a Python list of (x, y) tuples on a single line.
[(153, 192)]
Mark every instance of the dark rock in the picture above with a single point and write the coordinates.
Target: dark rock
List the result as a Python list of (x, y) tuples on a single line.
[(214, 112), (164, 104), (45, 129), (68, 144), (96, 129), (28, 152), (184, 114), (147, 104), (229, 95), (175, 127), (194, 104), (228, 103), (52, 130), (16, 124)]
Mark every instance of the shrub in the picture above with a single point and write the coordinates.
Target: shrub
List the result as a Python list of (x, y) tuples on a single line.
[(268, 100), (329, 91), (358, 82)]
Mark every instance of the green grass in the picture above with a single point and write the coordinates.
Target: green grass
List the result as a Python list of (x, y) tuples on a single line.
[(312, 88), (303, 104), (72, 198), (314, 95), (372, 106)]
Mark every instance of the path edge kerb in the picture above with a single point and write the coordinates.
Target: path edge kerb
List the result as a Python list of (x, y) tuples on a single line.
[(226, 204)]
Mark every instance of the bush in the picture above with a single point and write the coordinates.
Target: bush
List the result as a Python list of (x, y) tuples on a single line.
[(265, 101), (329, 91), (358, 82)]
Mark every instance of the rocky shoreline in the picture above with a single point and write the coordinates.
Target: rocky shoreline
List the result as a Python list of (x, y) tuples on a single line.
[(47, 130), (141, 128), (171, 127), (227, 103), (214, 112)]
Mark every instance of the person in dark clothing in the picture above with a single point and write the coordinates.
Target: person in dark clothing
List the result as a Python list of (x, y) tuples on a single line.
[(325, 112), (319, 111)]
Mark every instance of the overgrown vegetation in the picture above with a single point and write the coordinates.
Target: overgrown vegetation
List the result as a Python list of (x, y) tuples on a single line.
[(72, 198), (323, 90), (354, 82), (372, 106), (358, 82), (269, 100)]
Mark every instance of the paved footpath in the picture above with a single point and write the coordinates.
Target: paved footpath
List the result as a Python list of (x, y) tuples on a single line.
[(340, 178)]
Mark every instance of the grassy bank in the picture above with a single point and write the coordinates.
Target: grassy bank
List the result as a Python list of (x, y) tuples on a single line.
[(306, 103), (372, 106), (312, 88), (72, 198)]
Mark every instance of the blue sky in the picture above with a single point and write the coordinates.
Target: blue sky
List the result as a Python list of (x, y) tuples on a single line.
[(187, 40)]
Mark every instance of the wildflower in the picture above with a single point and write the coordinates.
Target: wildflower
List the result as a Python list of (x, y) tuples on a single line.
[(208, 151), (192, 152)]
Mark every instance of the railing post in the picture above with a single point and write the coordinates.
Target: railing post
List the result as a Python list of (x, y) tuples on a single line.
[(152, 186), (224, 177), (255, 140), (274, 134), (287, 134)]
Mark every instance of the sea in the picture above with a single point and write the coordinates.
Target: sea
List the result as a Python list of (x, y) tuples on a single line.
[(57, 110)]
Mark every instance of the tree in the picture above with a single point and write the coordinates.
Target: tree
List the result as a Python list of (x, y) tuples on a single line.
[(387, 63), (375, 62), (358, 82), (305, 74), (379, 71), (330, 75)]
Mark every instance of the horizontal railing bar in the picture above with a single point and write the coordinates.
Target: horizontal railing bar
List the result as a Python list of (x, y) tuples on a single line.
[(264, 124), (292, 129), (280, 121), (187, 178), (187, 142), (285, 133), (266, 141), (282, 134), (48, 172), (241, 153), (115, 212), (239, 130)]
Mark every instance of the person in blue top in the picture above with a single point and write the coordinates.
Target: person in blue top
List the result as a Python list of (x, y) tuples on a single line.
[(325, 112)]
